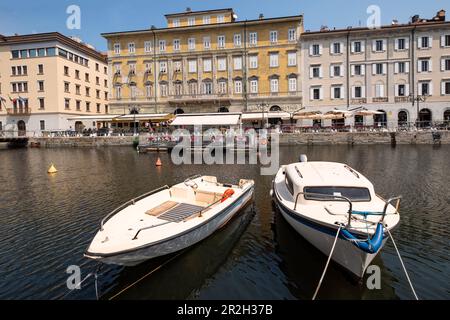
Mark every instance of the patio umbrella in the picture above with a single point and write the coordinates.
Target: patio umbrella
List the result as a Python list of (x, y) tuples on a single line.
[(306, 115), (367, 113)]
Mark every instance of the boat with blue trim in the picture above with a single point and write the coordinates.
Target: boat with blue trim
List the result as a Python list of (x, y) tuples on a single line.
[(167, 220), (328, 201)]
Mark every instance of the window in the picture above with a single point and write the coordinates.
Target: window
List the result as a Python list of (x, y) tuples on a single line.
[(358, 70), (24, 54), (273, 60), (193, 88), (379, 46), (357, 47), (66, 104), (163, 67), (162, 45), (40, 69), (315, 50), (221, 42), (336, 48), (292, 84), (401, 90), (118, 92), (32, 53), (206, 19), (13, 71), (353, 193), (237, 86), (42, 124), (105, 70), (253, 86), (336, 92), (253, 38), (358, 92), (78, 105), (336, 71), (220, 18), (97, 94), (86, 77), (116, 48), (178, 89), (88, 91), (66, 87), (292, 35), (133, 90), (177, 66), (316, 93), (163, 90), (445, 64), (15, 54), (273, 36), (66, 71), (424, 65), (273, 85), (207, 67), (77, 89), (97, 80), (425, 42), (96, 67), (147, 46), (401, 67), (176, 22), (41, 103), (401, 44), (446, 87), (316, 71), (222, 87), (148, 90), (191, 21), (379, 91), (206, 43), (25, 70), (424, 88), (191, 43), (445, 40), (88, 107), (253, 62), (207, 87), (192, 66), (378, 68), (237, 40), (77, 74), (222, 64), (176, 45), (105, 83), (41, 85), (237, 62), (292, 59), (41, 52)]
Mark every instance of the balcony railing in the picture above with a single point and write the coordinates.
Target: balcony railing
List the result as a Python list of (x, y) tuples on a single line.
[(380, 99), (359, 101), (402, 99), (18, 111)]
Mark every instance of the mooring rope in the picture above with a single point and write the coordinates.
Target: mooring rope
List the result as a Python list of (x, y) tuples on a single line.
[(403, 265), (328, 261), (145, 276)]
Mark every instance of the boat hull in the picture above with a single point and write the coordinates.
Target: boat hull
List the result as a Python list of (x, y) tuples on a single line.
[(179, 242), (346, 254)]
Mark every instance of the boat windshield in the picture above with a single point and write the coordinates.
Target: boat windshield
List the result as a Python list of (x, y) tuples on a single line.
[(352, 193)]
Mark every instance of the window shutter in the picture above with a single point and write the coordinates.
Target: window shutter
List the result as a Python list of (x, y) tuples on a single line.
[(396, 90), (443, 41), (321, 93), (406, 43), (341, 71), (430, 64), (396, 44), (331, 71), (442, 64), (342, 93), (363, 69), (363, 46), (311, 94), (342, 47), (384, 45), (407, 67), (320, 72), (353, 47), (310, 72), (374, 45), (430, 42), (332, 92), (363, 91), (320, 49), (353, 92), (419, 66), (419, 42), (407, 90), (382, 90), (311, 50), (374, 69), (431, 88), (442, 88), (419, 89), (352, 68), (331, 48), (396, 68), (384, 68)]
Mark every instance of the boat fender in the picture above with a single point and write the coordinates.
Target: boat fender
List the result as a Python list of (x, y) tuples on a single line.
[(370, 245), (228, 193)]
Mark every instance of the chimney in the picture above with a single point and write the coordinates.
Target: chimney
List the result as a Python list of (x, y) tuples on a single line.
[(188, 9), (441, 15), (394, 22), (261, 16), (415, 18)]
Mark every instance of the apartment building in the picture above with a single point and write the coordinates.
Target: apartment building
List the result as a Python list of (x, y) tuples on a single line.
[(47, 78), (206, 61), (401, 70)]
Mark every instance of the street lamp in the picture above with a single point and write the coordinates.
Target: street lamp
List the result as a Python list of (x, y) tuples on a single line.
[(418, 99), (262, 106), (134, 110)]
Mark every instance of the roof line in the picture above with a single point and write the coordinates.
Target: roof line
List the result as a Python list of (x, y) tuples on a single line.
[(197, 12)]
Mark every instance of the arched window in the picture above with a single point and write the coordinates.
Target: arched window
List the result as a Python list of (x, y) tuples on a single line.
[(274, 121), (402, 118), (223, 109), (380, 120), (178, 111), (447, 115), (425, 118)]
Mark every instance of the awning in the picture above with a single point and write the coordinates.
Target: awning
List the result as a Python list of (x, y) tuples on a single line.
[(251, 116), (145, 116), (211, 119), (105, 117), (307, 115), (367, 113)]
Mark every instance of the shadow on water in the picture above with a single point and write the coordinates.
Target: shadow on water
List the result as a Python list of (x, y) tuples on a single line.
[(190, 267)]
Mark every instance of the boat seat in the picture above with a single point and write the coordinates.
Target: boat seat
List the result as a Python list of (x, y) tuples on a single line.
[(156, 211), (208, 197), (182, 193)]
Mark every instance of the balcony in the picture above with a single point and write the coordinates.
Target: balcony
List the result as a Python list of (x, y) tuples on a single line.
[(381, 99), (18, 111), (402, 99)]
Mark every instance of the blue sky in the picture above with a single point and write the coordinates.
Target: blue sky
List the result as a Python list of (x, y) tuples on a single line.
[(106, 16)]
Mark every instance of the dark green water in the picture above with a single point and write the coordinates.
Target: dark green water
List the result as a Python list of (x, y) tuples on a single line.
[(46, 223)]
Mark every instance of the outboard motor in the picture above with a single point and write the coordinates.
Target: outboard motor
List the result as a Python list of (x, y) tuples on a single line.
[(303, 158)]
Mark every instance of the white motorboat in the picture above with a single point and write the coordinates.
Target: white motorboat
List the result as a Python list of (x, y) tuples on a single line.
[(327, 201), (167, 220)]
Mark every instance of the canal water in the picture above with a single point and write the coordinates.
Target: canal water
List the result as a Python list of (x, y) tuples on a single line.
[(47, 221)]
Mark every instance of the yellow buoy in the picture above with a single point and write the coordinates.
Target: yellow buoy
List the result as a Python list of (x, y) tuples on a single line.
[(52, 169)]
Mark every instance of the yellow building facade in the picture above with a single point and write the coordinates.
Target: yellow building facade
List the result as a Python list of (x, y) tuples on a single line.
[(207, 61)]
